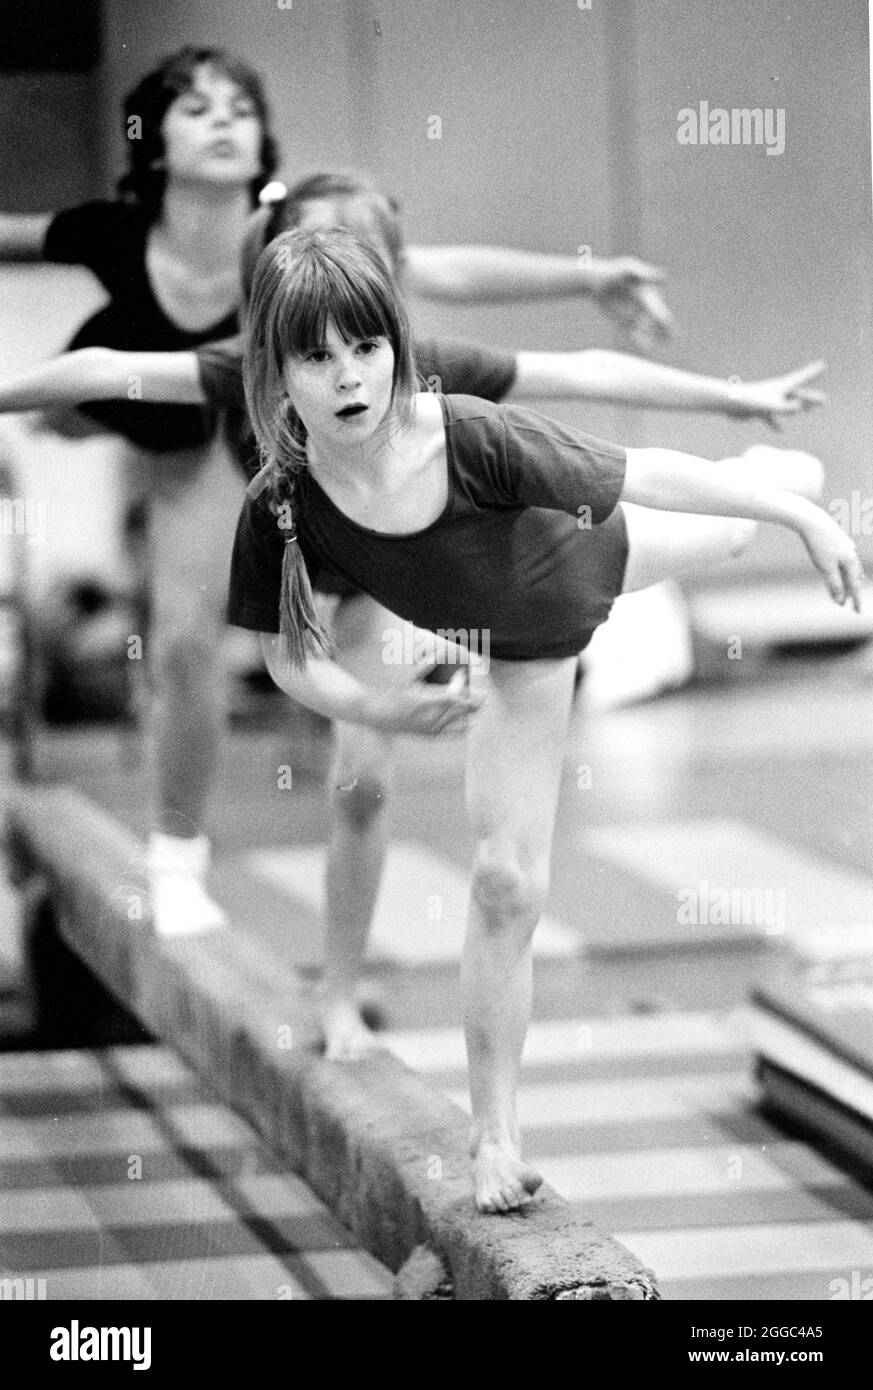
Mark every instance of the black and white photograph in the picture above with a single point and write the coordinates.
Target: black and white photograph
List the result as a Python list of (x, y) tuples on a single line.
[(436, 667)]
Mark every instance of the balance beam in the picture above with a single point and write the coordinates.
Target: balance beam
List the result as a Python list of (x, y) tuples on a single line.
[(384, 1150)]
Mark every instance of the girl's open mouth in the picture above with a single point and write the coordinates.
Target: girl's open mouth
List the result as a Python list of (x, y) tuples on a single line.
[(348, 411)]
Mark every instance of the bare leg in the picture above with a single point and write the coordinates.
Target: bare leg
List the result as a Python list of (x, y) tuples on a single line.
[(360, 778), (188, 713), (194, 505), (195, 502), (359, 790), (515, 756), (676, 545)]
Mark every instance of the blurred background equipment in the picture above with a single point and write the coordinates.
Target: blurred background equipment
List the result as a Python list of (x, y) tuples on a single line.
[(81, 632)]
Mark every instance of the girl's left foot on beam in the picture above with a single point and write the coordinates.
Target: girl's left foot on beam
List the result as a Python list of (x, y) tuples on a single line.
[(503, 1181)]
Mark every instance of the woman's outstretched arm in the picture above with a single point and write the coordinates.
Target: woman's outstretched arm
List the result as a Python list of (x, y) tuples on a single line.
[(677, 482), (102, 374), (623, 287)]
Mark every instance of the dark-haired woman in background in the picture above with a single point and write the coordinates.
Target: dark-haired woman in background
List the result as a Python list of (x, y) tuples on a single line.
[(167, 251), (200, 149)]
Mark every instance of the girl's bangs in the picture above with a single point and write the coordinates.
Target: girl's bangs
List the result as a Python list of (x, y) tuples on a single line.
[(325, 293)]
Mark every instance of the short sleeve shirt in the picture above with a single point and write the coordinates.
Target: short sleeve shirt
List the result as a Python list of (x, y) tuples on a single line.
[(531, 545)]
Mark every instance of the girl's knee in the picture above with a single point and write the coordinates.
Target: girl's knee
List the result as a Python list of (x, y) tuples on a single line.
[(360, 774), (188, 654), (358, 800), (505, 890)]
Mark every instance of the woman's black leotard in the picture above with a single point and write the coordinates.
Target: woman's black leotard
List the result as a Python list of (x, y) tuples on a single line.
[(110, 239)]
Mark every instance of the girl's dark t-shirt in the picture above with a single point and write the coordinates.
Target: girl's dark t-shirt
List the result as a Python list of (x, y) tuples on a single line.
[(110, 239), (531, 546)]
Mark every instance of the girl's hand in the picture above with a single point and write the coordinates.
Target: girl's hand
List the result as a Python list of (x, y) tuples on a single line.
[(835, 557), (430, 711), (777, 396)]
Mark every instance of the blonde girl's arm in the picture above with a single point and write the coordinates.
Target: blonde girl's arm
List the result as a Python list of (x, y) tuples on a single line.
[(616, 377), (102, 374)]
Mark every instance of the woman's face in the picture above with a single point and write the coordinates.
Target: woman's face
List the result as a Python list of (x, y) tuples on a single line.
[(342, 392), (212, 132)]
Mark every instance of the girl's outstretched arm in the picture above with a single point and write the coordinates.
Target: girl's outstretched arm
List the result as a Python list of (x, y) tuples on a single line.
[(601, 375), (325, 687), (677, 482), (623, 287), (102, 374), (22, 235)]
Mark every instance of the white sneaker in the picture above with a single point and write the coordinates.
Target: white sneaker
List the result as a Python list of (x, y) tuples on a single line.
[(177, 870)]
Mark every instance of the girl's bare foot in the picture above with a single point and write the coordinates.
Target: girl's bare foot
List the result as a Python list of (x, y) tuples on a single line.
[(791, 469), (346, 1036), (502, 1181)]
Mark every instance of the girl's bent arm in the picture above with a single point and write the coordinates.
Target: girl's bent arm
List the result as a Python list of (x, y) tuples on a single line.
[(99, 374), (22, 235), (677, 482), (325, 687)]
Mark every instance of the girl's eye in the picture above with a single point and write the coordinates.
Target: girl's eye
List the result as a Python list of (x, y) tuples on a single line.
[(368, 347), (318, 355), (194, 108), (244, 108)]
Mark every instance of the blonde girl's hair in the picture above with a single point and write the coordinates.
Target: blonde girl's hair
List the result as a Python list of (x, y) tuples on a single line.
[(304, 281), (350, 192)]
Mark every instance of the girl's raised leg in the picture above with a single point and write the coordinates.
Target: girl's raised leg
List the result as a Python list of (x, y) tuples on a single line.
[(516, 749), (679, 545)]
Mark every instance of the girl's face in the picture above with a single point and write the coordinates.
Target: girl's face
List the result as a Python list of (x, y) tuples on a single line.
[(342, 391), (212, 132)]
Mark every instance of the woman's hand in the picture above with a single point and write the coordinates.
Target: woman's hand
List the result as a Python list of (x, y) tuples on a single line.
[(834, 556), (627, 290), (777, 396), (426, 710)]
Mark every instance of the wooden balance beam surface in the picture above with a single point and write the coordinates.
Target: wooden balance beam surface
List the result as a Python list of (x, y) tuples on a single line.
[(387, 1153)]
